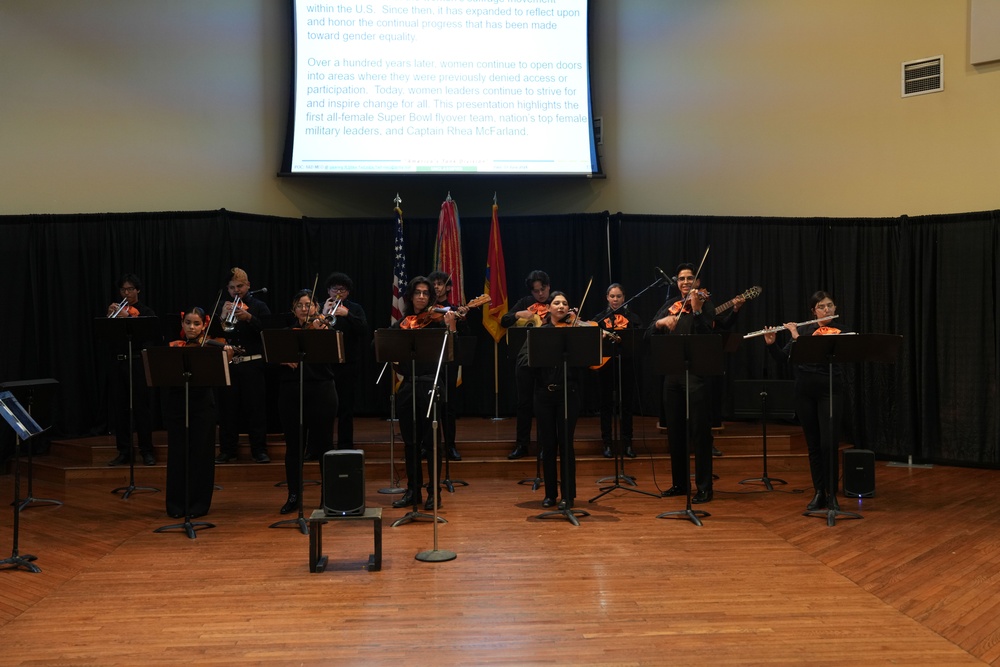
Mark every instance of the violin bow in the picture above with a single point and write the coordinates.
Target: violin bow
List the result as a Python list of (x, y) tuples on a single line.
[(697, 273), (204, 335), (585, 293), (312, 295)]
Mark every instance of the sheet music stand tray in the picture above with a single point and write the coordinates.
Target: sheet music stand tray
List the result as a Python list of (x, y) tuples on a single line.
[(128, 330), (700, 354), (842, 348), (26, 428), (424, 345), (301, 346), (564, 347), (30, 389), (186, 367)]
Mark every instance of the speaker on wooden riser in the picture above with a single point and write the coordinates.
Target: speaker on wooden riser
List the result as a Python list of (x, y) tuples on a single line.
[(344, 482), (859, 473)]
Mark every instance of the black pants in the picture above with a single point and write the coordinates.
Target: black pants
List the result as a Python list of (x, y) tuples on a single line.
[(242, 408), (195, 470), (608, 376), (319, 410), (555, 430), (525, 384), (346, 378), (417, 434), (141, 419), (674, 407), (812, 405)]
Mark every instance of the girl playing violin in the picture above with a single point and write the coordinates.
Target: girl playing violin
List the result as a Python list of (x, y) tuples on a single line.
[(319, 398), (414, 392), (812, 398), (198, 436), (552, 428)]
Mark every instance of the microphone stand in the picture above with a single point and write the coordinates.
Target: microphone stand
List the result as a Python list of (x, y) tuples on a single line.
[(393, 487)]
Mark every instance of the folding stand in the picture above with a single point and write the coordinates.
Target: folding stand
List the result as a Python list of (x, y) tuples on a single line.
[(619, 353), (517, 337), (422, 345), (778, 391), (393, 487), (841, 348), (26, 428), (413, 345), (301, 346), (465, 355), (700, 354), (186, 367), (126, 330), (565, 347), (29, 388)]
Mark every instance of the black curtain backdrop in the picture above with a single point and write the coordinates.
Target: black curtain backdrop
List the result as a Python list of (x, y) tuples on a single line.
[(932, 279)]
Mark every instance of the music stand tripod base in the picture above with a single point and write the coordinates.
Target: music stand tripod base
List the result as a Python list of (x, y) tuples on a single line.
[(189, 527), (436, 555), (568, 513), (16, 561), (832, 514), (689, 514)]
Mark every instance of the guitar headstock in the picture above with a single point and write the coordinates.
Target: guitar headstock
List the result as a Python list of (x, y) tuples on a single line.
[(752, 293), (478, 301)]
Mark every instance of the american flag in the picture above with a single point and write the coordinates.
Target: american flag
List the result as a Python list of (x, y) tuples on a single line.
[(399, 279)]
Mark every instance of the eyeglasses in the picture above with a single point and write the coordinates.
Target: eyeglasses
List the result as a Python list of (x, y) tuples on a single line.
[(127, 289), (685, 279), (421, 292), (338, 288)]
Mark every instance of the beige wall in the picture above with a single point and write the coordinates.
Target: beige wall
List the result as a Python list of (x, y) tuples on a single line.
[(719, 107)]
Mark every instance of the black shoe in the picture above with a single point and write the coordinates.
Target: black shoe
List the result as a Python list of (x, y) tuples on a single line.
[(818, 502), (674, 491), (629, 452), (454, 455), (429, 505), (122, 459), (261, 457), (148, 458), (565, 505), (715, 451), (407, 500), (520, 451), (702, 497), (290, 505), (607, 451), (833, 504), (548, 502), (225, 458)]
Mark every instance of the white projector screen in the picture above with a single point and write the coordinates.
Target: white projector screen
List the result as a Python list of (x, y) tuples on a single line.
[(441, 86)]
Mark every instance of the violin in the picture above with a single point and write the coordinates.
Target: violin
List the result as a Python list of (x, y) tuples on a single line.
[(684, 305), (421, 320), (574, 320)]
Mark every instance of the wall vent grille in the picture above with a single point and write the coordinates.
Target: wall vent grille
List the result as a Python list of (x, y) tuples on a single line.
[(923, 76)]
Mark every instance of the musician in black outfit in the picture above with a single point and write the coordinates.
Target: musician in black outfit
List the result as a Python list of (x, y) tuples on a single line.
[(242, 405), (615, 318), (319, 403), (812, 398), (417, 435), (130, 287), (351, 321), (556, 426), (442, 299), (528, 308), (690, 313)]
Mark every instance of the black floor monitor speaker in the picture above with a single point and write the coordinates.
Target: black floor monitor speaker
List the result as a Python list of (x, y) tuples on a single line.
[(859, 473), (344, 482)]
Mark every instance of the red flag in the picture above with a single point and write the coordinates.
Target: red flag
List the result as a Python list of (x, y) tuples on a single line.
[(448, 249), (496, 282)]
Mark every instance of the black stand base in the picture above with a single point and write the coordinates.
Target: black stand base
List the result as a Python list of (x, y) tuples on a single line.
[(188, 526), (436, 555), (127, 491), (24, 561), (688, 513), (413, 515), (568, 513), (30, 501), (832, 512), (766, 481), (299, 521), (536, 481)]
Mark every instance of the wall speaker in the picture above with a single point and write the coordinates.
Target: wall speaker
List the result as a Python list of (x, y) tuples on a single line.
[(859, 473), (344, 482)]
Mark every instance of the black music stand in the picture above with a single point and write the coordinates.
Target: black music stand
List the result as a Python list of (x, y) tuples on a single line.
[(301, 346), (776, 395), (841, 348), (186, 367), (620, 353), (393, 487), (26, 428), (400, 346), (465, 355), (424, 345), (564, 347), (29, 389), (700, 354), (516, 339), (128, 330)]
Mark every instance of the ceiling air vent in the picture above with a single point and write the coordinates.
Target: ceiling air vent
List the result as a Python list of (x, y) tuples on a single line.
[(923, 76)]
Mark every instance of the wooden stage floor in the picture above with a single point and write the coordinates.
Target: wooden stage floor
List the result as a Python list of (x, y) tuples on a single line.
[(915, 582)]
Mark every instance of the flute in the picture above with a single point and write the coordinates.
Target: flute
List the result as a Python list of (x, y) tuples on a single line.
[(798, 324)]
